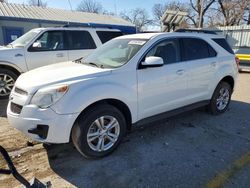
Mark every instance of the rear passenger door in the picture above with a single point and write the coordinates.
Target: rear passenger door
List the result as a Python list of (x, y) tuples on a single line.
[(201, 65), (80, 44)]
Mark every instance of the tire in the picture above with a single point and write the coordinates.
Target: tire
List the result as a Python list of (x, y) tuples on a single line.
[(7, 81), (87, 124), (221, 99)]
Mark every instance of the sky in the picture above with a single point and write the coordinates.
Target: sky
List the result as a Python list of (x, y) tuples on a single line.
[(107, 4)]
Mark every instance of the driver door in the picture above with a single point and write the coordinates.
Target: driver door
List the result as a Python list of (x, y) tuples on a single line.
[(161, 89), (49, 48)]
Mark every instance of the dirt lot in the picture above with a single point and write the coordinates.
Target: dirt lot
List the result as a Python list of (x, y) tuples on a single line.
[(192, 150)]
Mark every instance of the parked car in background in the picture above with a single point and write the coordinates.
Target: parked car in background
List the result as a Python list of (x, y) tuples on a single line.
[(244, 61), (45, 46), (129, 80)]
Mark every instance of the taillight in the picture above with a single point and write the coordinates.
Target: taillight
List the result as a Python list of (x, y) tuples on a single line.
[(237, 61)]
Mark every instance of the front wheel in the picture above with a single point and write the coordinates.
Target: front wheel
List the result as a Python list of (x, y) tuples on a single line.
[(220, 99), (7, 81), (99, 131)]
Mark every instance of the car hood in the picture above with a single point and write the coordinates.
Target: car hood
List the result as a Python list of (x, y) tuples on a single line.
[(57, 73)]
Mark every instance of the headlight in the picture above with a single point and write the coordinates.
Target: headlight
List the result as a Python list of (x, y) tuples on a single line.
[(48, 96)]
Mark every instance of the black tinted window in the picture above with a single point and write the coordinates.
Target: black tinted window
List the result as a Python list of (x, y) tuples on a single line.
[(168, 50), (80, 40), (223, 43), (196, 49), (105, 36)]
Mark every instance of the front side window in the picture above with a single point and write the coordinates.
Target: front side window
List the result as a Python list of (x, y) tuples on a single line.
[(80, 40), (196, 49), (49, 41), (115, 53), (168, 50)]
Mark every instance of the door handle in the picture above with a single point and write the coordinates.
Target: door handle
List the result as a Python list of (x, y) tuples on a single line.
[(180, 72), (213, 64), (59, 55)]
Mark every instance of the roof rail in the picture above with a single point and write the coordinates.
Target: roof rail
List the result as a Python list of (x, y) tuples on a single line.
[(196, 31), (88, 25)]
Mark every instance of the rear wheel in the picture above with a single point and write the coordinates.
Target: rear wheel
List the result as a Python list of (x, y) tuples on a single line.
[(220, 99), (7, 81), (99, 131)]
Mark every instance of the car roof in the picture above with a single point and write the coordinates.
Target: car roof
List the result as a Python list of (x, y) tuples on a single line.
[(76, 28), (148, 36)]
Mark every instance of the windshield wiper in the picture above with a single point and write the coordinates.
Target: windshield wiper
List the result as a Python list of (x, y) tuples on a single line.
[(87, 63), (79, 60), (10, 45)]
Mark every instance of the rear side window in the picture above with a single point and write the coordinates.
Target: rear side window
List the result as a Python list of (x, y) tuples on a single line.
[(196, 49), (80, 40), (105, 36), (223, 43)]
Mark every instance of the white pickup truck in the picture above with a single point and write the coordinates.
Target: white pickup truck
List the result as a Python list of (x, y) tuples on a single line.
[(45, 46)]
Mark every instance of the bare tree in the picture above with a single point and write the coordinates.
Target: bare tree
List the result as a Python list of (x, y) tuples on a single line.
[(2, 1), (137, 16), (90, 6), (198, 10), (233, 11), (39, 3)]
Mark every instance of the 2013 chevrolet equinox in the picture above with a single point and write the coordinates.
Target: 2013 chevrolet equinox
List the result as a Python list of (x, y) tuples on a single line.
[(128, 80)]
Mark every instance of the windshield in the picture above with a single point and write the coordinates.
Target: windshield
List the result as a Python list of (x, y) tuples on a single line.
[(25, 39), (115, 53)]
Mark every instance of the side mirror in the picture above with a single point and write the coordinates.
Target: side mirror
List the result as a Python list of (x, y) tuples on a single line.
[(152, 61), (36, 45)]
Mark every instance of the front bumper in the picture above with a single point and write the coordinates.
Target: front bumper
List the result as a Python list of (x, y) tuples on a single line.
[(59, 126)]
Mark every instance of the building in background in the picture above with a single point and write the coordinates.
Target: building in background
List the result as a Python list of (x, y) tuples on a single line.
[(16, 19)]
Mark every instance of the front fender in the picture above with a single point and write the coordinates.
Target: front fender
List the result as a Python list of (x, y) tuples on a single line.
[(12, 65), (76, 100)]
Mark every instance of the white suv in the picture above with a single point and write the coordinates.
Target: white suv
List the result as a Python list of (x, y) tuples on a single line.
[(129, 80), (45, 46)]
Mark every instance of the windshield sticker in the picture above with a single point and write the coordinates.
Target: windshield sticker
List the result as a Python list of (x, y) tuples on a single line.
[(137, 42)]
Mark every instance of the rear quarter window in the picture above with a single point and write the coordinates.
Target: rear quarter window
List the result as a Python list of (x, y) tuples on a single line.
[(194, 48), (105, 36), (224, 44)]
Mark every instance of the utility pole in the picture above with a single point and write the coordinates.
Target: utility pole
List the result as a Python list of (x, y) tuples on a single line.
[(70, 5), (115, 7), (38, 3)]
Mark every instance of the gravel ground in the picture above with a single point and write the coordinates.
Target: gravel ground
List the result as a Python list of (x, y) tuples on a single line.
[(193, 149)]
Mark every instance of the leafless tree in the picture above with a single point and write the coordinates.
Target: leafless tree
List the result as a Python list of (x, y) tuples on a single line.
[(2, 1), (90, 6), (137, 16), (39, 3), (199, 9), (233, 11)]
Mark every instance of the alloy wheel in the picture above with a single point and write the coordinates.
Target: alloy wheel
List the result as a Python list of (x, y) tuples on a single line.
[(6, 84), (223, 99), (103, 133)]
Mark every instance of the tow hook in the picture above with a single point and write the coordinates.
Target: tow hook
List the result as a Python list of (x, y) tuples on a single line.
[(35, 183)]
